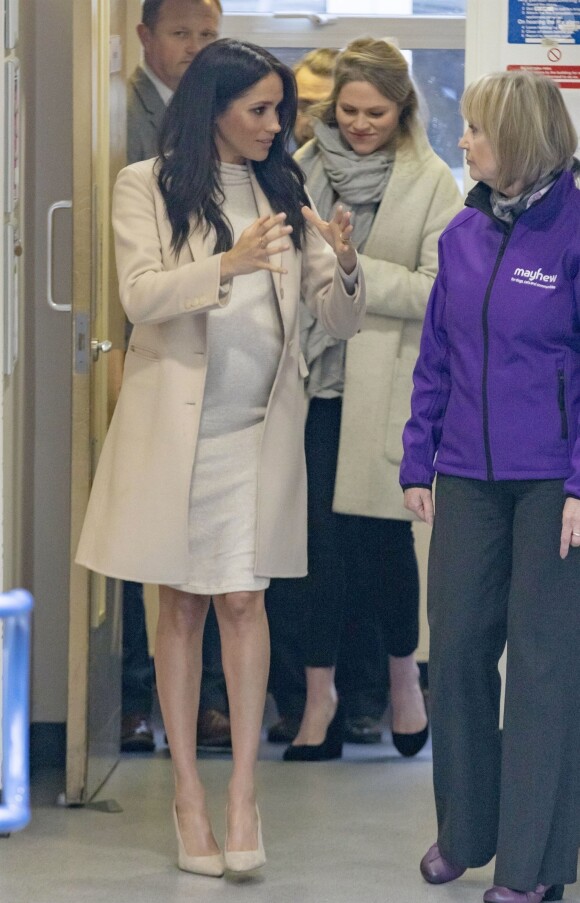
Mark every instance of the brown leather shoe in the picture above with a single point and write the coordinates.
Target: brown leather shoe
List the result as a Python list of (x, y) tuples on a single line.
[(284, 730), (213, 730), (137, 734), (363, 729)]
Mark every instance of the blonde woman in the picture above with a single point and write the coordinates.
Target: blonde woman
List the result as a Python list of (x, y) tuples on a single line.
[(370, 153), (495, 414)]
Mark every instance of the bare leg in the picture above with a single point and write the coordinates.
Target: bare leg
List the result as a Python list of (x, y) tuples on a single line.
[(321, 703), (178, 660), (245, 640), (408, 715)]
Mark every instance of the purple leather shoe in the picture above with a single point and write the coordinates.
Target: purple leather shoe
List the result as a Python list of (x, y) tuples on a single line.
[(497, 894), (437, 870)]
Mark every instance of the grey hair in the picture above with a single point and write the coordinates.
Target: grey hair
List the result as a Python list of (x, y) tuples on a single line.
[(526, 122)]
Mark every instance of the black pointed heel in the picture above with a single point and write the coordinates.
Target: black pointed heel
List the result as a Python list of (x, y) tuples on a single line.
[(410, 744), (330, 748)]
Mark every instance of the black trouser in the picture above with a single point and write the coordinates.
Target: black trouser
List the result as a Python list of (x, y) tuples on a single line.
[(494, 575), (213, 693), (137, 676), (362, 584)]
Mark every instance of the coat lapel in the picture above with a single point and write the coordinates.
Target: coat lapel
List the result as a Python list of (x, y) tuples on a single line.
[(278, 281), (150, 98), (200, 244)]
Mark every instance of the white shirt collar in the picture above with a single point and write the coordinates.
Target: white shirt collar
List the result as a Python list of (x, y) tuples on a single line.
[(164, 92)]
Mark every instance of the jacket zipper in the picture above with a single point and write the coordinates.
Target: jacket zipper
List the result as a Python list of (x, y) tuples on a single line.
[(484, 322), (562, 403)]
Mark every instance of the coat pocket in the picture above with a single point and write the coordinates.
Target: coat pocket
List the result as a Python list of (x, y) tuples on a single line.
[(142, 351), (399, 409)]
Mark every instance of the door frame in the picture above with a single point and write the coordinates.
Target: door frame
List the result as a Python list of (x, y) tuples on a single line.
[(95, 621), (310, 31)]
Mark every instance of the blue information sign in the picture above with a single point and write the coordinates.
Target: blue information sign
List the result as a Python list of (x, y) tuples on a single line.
[(531, 21)]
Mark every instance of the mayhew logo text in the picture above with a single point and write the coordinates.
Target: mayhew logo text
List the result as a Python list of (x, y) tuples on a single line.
[(535, 277)]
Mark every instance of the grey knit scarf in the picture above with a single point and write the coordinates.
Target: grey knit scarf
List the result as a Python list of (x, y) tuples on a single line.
[(342, 176), (336, 174), (508, 209)]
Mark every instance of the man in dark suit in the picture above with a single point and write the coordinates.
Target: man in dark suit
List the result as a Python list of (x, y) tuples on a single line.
[(172, 32)]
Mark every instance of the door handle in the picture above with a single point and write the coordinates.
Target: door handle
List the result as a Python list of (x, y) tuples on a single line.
[(317, 19), (66, 205), (100, 347)]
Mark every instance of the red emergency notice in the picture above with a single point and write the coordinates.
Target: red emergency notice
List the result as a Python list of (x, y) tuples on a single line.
[(564, 76)]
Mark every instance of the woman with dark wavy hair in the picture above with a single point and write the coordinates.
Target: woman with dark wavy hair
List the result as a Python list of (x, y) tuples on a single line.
[(201, 485), (190, 177)]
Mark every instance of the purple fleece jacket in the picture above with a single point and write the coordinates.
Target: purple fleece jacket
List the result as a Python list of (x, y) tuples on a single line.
[(497, 383)]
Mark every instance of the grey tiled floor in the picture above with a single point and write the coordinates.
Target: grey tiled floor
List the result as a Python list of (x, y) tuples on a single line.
[(350, 831)]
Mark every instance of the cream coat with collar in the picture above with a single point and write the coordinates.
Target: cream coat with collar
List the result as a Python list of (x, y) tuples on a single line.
[(136, 526), (400, 265)]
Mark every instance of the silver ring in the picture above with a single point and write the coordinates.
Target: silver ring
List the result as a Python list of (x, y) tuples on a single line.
[(345, 241), (574, 533), (262, 243)]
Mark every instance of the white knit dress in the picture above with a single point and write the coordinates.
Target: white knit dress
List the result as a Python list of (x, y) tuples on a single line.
[(244, 348)]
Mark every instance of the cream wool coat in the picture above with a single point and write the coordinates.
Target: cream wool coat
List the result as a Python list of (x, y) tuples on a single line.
[(400, 264), (136, 525)]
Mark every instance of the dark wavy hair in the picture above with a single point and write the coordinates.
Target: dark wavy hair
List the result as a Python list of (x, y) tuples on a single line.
[(189, 162)]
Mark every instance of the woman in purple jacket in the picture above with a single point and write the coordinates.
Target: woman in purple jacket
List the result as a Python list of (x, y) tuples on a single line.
[(495, 413)]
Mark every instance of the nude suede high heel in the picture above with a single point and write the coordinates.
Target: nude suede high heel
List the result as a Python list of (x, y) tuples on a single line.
[(212, 866), (245, 860)]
